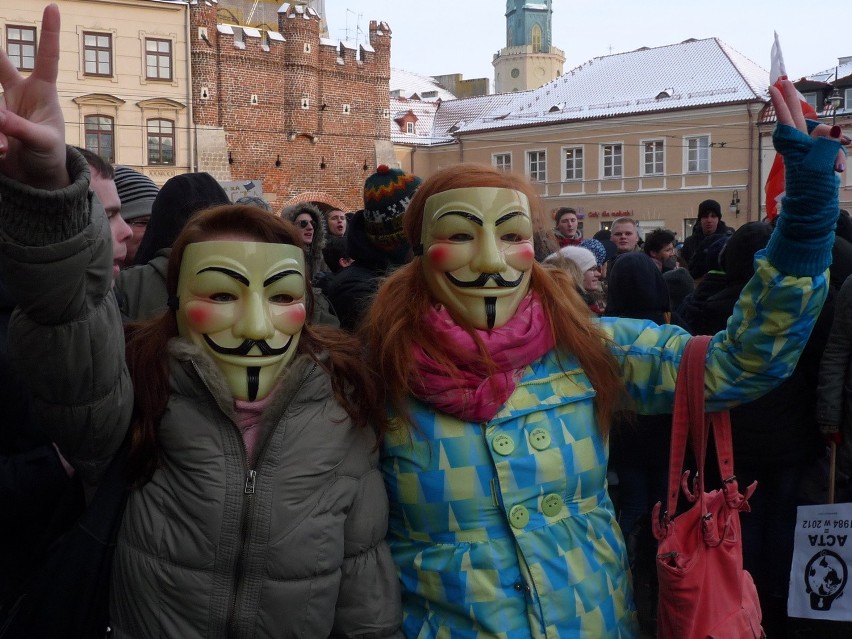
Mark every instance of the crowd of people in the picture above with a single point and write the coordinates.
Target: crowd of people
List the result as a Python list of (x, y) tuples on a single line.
[(406, 421)]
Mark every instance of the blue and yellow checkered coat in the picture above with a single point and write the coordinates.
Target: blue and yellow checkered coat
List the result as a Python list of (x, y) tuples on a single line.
[(504, 528)]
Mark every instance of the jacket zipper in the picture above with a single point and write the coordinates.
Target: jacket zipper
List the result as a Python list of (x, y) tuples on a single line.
[(249, 489)]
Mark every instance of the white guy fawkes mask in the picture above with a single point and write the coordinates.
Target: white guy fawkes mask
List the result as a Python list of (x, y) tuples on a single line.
[(478, 252), (244, 304)]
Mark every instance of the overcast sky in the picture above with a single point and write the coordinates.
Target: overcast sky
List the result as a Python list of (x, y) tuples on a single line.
[(436, 37)]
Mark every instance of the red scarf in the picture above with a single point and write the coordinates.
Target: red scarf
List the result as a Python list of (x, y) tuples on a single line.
[(476, 395)]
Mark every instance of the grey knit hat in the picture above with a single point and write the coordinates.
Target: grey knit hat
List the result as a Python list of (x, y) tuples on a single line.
[(136, 192)]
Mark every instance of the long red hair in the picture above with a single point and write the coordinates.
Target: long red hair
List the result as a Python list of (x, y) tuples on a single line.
[(395, 320), (353, 383)]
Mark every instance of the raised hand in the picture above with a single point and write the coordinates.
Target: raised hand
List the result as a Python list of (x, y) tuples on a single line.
[(32, 128), (788, 110)]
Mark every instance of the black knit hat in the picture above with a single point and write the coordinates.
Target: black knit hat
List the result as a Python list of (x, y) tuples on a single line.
[(709, 206), (386, 195), (136, 191), (179, 199)]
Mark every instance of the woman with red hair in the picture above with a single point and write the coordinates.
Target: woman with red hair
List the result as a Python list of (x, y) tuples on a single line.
[(502, 389)]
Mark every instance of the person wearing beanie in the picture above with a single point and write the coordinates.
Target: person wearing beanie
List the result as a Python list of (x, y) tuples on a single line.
[(253, 200), (137, 193), (386, 195), (310, 223), (586, 271), (709, 223), (141, 290), (496, 526), (376, 243)]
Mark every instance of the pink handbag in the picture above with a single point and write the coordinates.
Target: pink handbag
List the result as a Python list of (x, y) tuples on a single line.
[(704, 591)]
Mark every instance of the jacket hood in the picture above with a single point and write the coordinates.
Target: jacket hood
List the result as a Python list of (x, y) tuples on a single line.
[(361, 250), (737, 257), (180, 198), (313, 252), (320, 231), (636, 289)]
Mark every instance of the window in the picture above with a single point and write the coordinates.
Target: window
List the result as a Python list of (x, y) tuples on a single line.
[(535, 38), (847, 99), (97, 54), (21, 47), (574, 163), (409, 127), (811, 98), (503, 162), (100, 136), (158, 59), (161, 141), (698, 154), (652, 158), (537, 166), (612, 160)]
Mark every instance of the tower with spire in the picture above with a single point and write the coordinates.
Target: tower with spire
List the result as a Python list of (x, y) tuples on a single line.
[(529, 59)]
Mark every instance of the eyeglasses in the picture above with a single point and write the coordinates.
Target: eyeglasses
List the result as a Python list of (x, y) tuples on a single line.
[(303, 224)]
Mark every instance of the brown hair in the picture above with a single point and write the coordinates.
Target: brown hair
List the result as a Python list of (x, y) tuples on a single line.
[(395, 320), (353, 383)]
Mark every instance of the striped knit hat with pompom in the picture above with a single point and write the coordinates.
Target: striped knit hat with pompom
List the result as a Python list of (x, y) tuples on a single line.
[(386, 195)]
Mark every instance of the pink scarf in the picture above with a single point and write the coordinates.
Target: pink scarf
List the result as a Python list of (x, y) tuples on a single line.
[(476, 395), (248, 417)]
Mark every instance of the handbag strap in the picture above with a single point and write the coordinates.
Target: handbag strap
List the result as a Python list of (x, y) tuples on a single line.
[(690, 422)]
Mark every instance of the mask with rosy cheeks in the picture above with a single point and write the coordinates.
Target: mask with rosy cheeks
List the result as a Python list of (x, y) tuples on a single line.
[(478, 252), (244, 304)]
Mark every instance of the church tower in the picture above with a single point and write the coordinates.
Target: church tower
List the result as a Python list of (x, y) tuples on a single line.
[(529, 59)]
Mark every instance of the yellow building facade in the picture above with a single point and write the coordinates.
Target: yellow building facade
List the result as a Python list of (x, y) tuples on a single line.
[(123, 77)]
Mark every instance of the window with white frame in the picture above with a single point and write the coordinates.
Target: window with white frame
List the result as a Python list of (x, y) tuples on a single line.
[(653, 158), (698, 154), (21, 47), (100, 136), (573, 163), (97, 54), (612, 156), (409, 127), (847, 99), (503, 161), (537, 166), (158, 59)]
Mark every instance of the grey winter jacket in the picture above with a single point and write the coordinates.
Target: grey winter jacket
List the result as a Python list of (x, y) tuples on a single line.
[(141, 289), (291, 545), (206, 548)]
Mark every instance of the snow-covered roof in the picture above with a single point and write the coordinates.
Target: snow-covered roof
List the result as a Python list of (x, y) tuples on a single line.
[(842, 70), (692, 73), (405, 84)]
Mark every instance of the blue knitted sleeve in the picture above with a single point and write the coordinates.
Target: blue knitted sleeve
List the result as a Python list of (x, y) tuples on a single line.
[(804, 234)]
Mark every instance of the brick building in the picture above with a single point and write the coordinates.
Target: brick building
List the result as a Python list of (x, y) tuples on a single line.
[(306, 116)]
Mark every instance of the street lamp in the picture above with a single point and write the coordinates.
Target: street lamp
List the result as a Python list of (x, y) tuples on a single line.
[(834, 99), (734, 207)]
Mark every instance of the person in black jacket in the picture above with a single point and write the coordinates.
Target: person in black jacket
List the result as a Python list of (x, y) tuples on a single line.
[(775, 437), (375, 242), (709, 224)]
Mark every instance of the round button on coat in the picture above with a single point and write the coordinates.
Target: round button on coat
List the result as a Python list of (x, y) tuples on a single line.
[(519, 516), (540, 439), (503, 444), (551, 504)]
